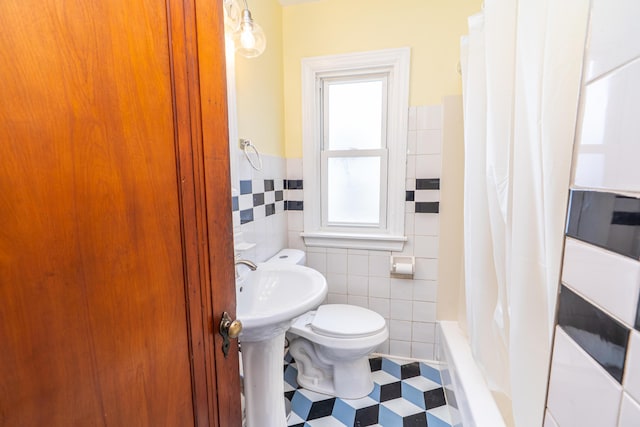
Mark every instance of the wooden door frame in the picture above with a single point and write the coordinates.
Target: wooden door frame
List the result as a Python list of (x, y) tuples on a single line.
[(200, 114)]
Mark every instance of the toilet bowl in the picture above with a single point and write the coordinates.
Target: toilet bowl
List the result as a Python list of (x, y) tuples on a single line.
[(331, 344)]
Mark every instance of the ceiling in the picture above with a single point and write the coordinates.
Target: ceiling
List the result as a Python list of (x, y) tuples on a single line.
[(290, 2)]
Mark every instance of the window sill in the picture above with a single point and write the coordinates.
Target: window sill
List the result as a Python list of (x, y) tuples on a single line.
[(374, 242)]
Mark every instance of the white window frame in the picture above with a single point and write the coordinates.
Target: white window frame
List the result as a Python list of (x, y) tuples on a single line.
[(395, 64)]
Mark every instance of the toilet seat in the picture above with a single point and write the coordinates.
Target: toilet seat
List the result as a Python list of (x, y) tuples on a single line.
[(346, 327), (346, 321)]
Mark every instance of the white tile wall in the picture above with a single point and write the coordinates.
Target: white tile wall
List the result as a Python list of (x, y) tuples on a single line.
[(629, 412), (426, 269), (426, 224), (358, 285), (337, 283), (400, 329), (581, 392), (421, 350), (606, 152), (428, 165), (401, 289), (608, 125), (398, 311), (400, 348), (358, 300), (608, 146), (587, 267), (317, 261), (362, 277), (269, 233), (357, 264), (380, 306), (412, 141), (424, 311), (428, 196), (549, 421), (337, 299), (428, 141), (631, 380), (296, 220), (294, 168), (425, 290), (425, 246), (379, 287), (379, 264), (337, 261), (614, 34)]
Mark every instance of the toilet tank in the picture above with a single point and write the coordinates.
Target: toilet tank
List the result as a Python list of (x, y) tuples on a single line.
[(289, 256)]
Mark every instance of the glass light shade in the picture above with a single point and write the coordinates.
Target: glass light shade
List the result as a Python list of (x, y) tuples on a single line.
[(249, 39)]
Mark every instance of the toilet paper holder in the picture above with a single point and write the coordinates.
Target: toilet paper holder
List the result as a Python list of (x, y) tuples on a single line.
[(402, 267)]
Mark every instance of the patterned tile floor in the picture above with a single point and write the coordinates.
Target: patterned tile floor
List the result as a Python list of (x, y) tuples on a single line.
[(406, 394)]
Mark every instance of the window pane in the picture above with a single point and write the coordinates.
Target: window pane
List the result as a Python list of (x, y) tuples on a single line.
[(353, 193), (355, 115)]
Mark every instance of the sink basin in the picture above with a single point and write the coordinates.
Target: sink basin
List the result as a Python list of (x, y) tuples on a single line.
[(269, 298)]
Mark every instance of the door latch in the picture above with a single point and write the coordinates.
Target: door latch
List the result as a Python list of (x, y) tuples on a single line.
[(229, 329)]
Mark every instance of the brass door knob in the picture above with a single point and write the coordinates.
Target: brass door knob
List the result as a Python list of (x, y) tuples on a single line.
[(235, 328), (229, 329)]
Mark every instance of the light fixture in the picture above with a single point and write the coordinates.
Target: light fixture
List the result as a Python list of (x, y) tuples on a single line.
[(249, 39), (232, 13)]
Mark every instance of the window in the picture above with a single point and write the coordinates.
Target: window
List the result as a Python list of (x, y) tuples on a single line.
[(354, 154), (355, 110)]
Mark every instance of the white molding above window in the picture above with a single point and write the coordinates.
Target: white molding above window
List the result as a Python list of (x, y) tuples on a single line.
[(394, 63)]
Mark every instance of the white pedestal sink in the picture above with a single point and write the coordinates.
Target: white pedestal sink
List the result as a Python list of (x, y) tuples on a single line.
[(268, 299)]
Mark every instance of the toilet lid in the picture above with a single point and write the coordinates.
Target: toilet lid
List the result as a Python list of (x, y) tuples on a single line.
[(341, 320)]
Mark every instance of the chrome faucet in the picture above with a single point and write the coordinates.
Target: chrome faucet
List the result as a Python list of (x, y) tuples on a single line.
[(252, 266)]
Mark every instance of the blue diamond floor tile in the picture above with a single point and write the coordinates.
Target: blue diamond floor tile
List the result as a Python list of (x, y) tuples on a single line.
[(422, 392), (401, 412), (430, 372), (290, 375), (294, 421), (360, 412), (324, 422), (406, 393), (439, 417), (392, 367)]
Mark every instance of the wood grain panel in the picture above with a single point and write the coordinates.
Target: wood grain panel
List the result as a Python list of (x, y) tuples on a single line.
[(211, 70), (92, 283)]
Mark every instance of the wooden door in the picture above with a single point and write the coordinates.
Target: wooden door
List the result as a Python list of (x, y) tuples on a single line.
[(115, 223)]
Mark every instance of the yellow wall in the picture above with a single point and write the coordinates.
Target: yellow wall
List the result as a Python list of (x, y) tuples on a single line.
[(259, 84), (269, 87), (431, 28)]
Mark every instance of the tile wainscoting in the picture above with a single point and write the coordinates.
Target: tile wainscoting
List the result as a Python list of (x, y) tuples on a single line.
[(361, 277), (595, 369), (259, 203), (268, 211)]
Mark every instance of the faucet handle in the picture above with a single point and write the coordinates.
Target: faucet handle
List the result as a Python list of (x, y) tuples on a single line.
[(248, 263)]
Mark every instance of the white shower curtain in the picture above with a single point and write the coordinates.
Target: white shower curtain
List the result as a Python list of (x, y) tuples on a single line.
[(522, 63)]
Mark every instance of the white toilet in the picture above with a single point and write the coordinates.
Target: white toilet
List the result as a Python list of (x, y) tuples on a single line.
[(331, 345)]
